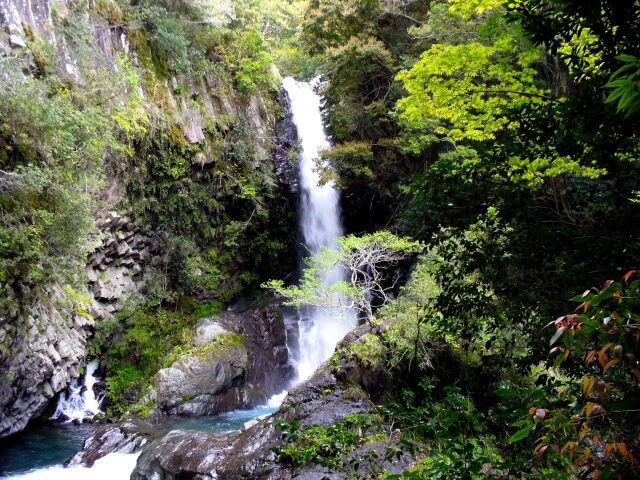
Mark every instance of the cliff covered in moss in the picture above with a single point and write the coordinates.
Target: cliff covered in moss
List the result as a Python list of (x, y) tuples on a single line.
[(136, 162)]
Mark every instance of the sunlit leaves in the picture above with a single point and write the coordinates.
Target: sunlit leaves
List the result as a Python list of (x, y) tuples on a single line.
[(467, 87), (364, 261)]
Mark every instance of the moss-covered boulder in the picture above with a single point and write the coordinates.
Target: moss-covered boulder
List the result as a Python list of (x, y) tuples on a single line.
[(236, 360)]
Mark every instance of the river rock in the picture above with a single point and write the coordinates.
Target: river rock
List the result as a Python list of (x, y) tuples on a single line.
[(320, 400), (238, 360), (127, 437), (190, 385)]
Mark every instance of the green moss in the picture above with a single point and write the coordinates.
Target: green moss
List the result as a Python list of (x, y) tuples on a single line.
[(368, 351), (324, 445), (218, 347)]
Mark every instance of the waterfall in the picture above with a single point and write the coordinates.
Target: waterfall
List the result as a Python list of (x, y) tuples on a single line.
[(319, 329), (79, 401)]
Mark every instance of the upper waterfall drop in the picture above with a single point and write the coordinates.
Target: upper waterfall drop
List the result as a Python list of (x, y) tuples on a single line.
[(320, 329)]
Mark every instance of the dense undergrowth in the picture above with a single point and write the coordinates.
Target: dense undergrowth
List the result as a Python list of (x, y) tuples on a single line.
[(501, 138), (504, 136), (98, 113)]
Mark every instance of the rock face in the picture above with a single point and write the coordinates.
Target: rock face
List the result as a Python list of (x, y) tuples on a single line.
[(248, 454), (127, 437), (285, 141), (321, 400), (42, 341), (237, 361), (118, 258), (40, 349)]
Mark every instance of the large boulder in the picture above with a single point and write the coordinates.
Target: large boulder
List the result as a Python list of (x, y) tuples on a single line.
[(126, 437), (249, 453), (321, 400), (197, 383), (237, 360)]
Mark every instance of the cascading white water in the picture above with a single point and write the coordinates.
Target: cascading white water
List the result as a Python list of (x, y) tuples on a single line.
[(81, 401), (320, 329), (115, 466)]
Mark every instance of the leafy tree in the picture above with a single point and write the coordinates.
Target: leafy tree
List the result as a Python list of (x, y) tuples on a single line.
[(594, 422), (365, 259)]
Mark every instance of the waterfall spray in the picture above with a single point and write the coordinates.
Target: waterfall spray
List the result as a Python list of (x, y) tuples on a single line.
[(320, 329)]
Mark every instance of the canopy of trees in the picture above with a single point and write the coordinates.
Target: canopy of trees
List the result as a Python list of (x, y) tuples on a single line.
[(505, 136)]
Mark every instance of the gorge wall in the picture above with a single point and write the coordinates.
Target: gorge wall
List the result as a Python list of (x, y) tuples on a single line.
[(180, 195)]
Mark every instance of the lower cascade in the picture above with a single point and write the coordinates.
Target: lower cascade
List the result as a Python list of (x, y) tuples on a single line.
[(80, 401), (319, 328)]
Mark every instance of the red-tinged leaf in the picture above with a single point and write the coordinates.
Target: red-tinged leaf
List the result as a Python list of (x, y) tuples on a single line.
[(584, 431), (566, 354), (636, 372), (587, 385), (559, 320), (583, 305), (588, 408), (610, 364), (616, 294), (585, 454), (555, 448), (532, 410), (602, 355), (541, 452), (622, 448), (628, 275), (608, 449), (591, 356)]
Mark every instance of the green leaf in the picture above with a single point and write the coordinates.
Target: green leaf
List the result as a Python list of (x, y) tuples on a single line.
[(520, 434)]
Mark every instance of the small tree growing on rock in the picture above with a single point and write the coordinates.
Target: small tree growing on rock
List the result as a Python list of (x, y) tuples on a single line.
[(365, 262)]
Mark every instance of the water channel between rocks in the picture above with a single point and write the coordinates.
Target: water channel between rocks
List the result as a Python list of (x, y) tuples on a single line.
[(39, 452)]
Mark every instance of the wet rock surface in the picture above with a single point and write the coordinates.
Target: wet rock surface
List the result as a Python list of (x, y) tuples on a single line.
[(321, 400), (126, 437), (285, 143), (248, 454), (239, 360), (42, 348)]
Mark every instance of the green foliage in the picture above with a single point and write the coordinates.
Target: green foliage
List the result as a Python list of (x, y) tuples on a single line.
[(598, 347), (368, 351), (466, 87), (626, 87), (364, 258), (345, 161), (332, 446), (135, 345)]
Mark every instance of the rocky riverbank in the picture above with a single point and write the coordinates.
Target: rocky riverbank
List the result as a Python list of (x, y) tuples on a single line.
[(336, 391)]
